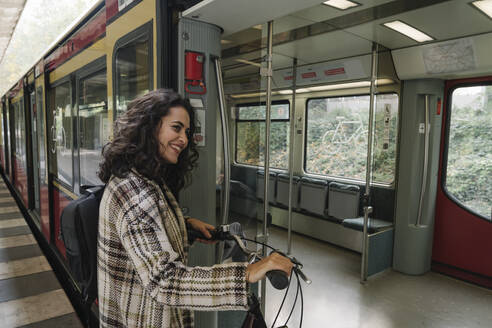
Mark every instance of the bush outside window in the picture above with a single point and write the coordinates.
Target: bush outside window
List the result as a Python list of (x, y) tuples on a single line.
[(469, 157), (250, 135), (336, 137)]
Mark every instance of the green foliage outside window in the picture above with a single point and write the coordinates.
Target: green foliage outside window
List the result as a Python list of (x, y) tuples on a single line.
[(336, 137), (250, 141), (469, 161)]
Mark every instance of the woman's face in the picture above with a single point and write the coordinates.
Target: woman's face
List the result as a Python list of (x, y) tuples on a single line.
[(173, 134)]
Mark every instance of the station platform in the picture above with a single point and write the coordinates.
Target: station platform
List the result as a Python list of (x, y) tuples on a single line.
[(30, 294)]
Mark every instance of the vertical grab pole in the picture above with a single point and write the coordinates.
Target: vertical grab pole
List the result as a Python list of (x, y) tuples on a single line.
[(266, 180), (370, 137), (291, 154), (225, 138), (426, 160)]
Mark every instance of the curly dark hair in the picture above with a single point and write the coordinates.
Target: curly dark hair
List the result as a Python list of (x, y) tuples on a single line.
[(135, 143)]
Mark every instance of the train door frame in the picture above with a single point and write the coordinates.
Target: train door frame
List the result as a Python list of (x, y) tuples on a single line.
[(54, 183), (90, 69), (10, 110), (457, 227), (34, 171), (5, 140)]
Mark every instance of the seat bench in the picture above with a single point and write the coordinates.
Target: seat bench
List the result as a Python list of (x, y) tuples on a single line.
[(374, 225)]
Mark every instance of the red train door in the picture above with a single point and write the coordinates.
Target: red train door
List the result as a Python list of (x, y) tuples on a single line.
[(463, 226)]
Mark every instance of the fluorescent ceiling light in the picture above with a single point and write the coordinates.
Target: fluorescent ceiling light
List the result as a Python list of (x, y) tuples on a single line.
[(284, 92), (257, 27), (409, 31), (484, 6), (341, 4), (245, 61), (249, 95)]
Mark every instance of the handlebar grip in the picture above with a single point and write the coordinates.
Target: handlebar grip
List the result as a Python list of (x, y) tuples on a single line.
[(195, 234), (278, 279)]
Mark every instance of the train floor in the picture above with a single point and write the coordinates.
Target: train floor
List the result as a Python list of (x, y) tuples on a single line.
[(337, 299), (30, 294)]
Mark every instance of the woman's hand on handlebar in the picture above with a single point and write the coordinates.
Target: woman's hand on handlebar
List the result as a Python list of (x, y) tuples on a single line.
[(275, 261), (202, 227)]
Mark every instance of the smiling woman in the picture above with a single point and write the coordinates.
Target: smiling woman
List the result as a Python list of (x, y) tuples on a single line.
[(143, 277), (152, 134), (174, 133)]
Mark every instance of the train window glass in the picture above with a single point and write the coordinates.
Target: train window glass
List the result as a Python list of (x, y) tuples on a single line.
[(336, 137), (250, 135), (20, 135), (132, 72), (63, 133), (469, 154), (93, 125), (41, 134)]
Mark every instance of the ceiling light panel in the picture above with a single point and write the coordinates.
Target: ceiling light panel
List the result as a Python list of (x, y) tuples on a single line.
[(484, 6), (408, 30), (341, 4)]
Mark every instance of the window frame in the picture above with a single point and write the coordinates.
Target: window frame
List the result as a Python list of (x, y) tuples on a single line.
[(445, 151), (237, 119), (66, 79), (144, 32), (335, 178), (89, 70)]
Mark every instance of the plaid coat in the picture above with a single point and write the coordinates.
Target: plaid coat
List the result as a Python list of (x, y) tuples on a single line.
[(143, 280)]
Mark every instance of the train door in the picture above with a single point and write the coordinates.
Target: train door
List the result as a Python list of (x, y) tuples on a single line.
[(2, 135), (35, 153), (11, 124), (463, 224), (5, 137)]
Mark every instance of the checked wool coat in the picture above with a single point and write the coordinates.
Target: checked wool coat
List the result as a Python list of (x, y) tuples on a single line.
[(143, 279)]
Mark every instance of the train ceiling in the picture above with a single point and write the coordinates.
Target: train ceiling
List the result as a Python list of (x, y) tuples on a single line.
[(321, 33), (10, 11)]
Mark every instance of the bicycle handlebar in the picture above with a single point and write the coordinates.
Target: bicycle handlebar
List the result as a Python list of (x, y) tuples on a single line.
[(278, 278)]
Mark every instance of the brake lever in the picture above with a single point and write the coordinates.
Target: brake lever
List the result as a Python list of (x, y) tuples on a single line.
[(297, 268)]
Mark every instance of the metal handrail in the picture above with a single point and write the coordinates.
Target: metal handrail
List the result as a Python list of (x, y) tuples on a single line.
[(225, 138), (370, 137), (418, 222), (291, 154), (266, 179)]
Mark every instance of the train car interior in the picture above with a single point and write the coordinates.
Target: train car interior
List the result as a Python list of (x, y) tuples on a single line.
[(352, 135), (323, 60)]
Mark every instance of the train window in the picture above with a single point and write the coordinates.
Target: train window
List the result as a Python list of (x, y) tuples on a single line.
[(93, 125), (336, 137), (41, 134), (250, 135), (469, 153), (20, 134), (133, 71), (62, 133)]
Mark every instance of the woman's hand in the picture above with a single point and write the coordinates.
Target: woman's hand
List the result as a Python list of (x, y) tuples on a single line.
[(204, 228), (275, 261)]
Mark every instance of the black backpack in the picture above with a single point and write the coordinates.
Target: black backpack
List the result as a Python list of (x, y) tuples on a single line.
[(79, 229)]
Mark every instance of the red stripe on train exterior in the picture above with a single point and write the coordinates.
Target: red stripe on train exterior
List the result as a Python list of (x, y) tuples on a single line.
[(84, 37)]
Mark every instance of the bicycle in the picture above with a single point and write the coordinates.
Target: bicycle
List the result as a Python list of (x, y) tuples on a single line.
[(278, 278)]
